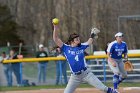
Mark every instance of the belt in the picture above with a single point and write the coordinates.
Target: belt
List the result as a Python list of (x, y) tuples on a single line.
[(80, 72)]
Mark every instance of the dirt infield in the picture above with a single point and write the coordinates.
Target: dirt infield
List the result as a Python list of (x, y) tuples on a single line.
[(79, 90)]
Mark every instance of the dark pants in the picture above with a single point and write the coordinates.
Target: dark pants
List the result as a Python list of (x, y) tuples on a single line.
[(16, 67), (61, 67), (8, 74), (42, 72)]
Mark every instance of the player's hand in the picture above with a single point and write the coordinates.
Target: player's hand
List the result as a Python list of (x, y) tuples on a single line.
[(20, 56), (55, 27), (1, 61), (113, 64), (125, 60)]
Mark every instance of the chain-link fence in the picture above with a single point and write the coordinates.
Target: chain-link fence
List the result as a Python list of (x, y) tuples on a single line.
[(30, 70)]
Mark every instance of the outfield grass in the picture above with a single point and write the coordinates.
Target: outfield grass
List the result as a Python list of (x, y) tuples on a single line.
[(62, 86)]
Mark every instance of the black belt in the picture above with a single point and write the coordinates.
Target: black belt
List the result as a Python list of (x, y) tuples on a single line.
[(80, 72)]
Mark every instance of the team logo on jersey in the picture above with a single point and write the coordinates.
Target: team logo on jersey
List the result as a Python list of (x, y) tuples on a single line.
[(42, 55), (119, 50), (75, 52)]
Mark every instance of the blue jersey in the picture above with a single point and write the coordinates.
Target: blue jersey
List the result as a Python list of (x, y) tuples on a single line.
[(116, 50), (75, 56)]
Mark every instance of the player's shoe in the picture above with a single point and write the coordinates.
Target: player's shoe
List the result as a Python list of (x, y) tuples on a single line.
[(110, 90), (116, 90)]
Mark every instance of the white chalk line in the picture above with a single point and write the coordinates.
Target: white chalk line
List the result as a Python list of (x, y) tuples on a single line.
[(131, 88), (125, 88), (76, 89)]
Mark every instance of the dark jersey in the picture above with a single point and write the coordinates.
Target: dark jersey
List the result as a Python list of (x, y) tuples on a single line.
[(41, 54)]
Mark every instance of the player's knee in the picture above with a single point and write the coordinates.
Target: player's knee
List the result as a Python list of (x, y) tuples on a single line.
[(115, 78), (117, 73)]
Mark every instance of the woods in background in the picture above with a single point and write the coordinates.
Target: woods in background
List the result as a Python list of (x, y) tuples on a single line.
[(34, 18)]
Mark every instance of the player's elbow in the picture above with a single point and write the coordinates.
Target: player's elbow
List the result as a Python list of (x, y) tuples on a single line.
[(55, 40), (58, 42)]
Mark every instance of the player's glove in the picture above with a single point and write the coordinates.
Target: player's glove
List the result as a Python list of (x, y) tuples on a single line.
[(128, 66), (94, 32)]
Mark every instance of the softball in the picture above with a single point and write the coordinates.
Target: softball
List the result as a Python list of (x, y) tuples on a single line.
[(55, 21)]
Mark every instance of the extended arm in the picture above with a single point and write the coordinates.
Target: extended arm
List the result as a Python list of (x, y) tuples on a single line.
[(56, 38)]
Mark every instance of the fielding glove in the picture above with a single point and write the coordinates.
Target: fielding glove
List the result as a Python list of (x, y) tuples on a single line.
[(94, 32), (128, 66)]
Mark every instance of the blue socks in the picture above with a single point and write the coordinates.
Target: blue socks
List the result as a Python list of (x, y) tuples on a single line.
[(121, 79), (115, 81), (110, 90)]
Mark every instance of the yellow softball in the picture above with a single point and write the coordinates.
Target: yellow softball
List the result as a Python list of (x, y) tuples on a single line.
[(55, 21)]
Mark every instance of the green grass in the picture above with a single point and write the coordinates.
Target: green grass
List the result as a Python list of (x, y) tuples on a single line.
[(62, 86), (126, 84), (31, 87)]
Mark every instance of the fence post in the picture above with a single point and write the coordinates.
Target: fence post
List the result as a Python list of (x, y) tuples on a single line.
[(19, 53), (104, 68), (21, 74)]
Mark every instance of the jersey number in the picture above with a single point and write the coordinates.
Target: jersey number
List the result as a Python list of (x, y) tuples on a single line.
[(119, 53), (76, 58)]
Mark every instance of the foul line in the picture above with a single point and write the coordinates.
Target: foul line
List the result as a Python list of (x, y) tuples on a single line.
[(131, 88)]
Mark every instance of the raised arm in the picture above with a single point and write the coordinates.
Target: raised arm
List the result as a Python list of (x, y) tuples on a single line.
[(90, 41), (94, 32), (56, 38)]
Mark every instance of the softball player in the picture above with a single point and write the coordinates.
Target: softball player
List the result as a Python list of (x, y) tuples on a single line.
[(115, 51), (74, 53)]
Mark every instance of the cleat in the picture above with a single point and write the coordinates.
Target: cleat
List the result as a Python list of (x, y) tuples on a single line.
[(116, 91), (110, 90)]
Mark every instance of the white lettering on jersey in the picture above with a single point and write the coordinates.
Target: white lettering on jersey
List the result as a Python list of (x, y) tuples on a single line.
[(42, 55), (75, 52), (76, 58)]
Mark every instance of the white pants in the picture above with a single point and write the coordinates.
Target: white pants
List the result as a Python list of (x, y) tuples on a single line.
[(86, 76), (119, 69)]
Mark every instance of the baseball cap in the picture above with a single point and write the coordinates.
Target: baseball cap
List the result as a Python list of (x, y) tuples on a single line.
[(41, 45), (119, 34)]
